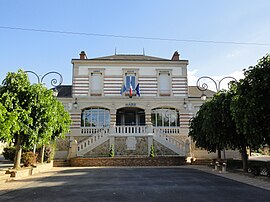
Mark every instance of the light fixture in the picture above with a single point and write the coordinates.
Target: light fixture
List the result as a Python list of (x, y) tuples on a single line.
[(55, 92), (185, 104), (203, 97), (75, 104)]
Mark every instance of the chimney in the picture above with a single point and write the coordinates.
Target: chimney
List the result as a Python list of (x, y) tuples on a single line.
[(83, 55), (175, 56)]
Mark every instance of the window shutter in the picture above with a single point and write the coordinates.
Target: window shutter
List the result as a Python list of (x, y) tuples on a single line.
[(96, 84), (164, 84)]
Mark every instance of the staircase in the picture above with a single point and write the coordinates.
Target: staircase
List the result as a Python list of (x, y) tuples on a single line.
[(92, 142), (61, 163), (171, 143)]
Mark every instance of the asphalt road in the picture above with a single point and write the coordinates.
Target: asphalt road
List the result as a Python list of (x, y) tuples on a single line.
[(135, 184)]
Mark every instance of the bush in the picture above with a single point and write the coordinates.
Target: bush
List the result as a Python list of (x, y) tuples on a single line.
[(9, 153), (234, 164), (152, 151), (49, 153), (111, 154), (29, 159), (258, 167)]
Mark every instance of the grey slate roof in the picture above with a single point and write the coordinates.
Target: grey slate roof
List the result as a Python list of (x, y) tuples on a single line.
[(64, 91), (194, 92)]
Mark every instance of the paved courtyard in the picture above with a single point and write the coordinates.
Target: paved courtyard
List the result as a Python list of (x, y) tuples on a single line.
[(129, 184)]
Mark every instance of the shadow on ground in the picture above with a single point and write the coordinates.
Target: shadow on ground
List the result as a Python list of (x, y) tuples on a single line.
[(135, 184)]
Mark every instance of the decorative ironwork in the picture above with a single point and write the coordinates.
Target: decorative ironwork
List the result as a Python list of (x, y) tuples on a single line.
[(204, 86), (54, 82)]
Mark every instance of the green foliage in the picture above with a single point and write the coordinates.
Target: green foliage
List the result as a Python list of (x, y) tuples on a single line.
[(14, 96), (212, 127), (111, 153), (238, 118), (9, 153), (152, 151), (250, 106), (29, 158), (29, 114)]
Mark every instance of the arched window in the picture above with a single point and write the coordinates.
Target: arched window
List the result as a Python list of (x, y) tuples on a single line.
[(165, 117), (95, 117)]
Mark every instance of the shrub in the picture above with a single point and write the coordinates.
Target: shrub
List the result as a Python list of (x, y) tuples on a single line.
[(111, 153), (29, 159), (9, 153), (49, 153), (152, 151)]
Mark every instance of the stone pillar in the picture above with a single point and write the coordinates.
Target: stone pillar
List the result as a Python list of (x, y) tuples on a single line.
[(112, 117), (148, 117), (72, 152), (112, 141)]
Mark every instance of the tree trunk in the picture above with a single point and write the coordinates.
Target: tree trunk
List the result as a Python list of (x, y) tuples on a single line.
[(219, 153), (18, 154), (244, 158), (42, 153)]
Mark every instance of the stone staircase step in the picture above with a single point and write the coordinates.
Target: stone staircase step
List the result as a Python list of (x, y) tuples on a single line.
[(61, 163)]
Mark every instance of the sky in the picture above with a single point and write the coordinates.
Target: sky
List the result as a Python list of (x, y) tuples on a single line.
[(147, 23)]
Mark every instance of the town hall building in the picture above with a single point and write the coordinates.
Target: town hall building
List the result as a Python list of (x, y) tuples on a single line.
[(129, 103)]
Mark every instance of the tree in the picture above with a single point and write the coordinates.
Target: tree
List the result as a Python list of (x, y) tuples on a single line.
[(212, 127), (6, 121), (250, 107), (14, 96), (50, 119), (35, 116)]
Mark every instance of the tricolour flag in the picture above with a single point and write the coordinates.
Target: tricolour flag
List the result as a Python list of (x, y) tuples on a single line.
[(130, 86), (130, 90), (123, 89), (138, 90)]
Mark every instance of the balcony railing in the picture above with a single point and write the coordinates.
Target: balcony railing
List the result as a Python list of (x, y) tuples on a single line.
[(130, 130), (166, 130)]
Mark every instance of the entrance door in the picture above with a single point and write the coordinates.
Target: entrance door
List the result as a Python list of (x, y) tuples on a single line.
[(130, 116)]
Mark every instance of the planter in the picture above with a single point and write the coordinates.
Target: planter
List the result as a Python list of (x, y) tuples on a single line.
[(25, 172)]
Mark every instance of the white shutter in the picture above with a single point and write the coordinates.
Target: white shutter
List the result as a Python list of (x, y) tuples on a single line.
[(164, 84), (96, 83)]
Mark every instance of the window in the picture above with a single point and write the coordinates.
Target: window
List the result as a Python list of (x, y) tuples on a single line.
[(165, 117), (95, 117), (130, 81), (96, 82), (164, 83)]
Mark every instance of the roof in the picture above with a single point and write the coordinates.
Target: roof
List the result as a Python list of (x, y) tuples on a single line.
[(131, 57), (64, 91), (193, 91)]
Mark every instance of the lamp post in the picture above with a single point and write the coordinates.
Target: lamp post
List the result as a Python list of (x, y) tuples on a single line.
[(54, 82), (204, 86)]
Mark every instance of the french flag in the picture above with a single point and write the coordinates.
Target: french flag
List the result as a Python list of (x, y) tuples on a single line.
[(123, 89), (130, 90), (138, 90)]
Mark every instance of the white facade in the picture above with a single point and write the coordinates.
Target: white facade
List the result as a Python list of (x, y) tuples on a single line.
[(105, 115)]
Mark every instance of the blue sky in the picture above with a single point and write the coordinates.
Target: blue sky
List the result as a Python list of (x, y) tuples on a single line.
[(222, 21)]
